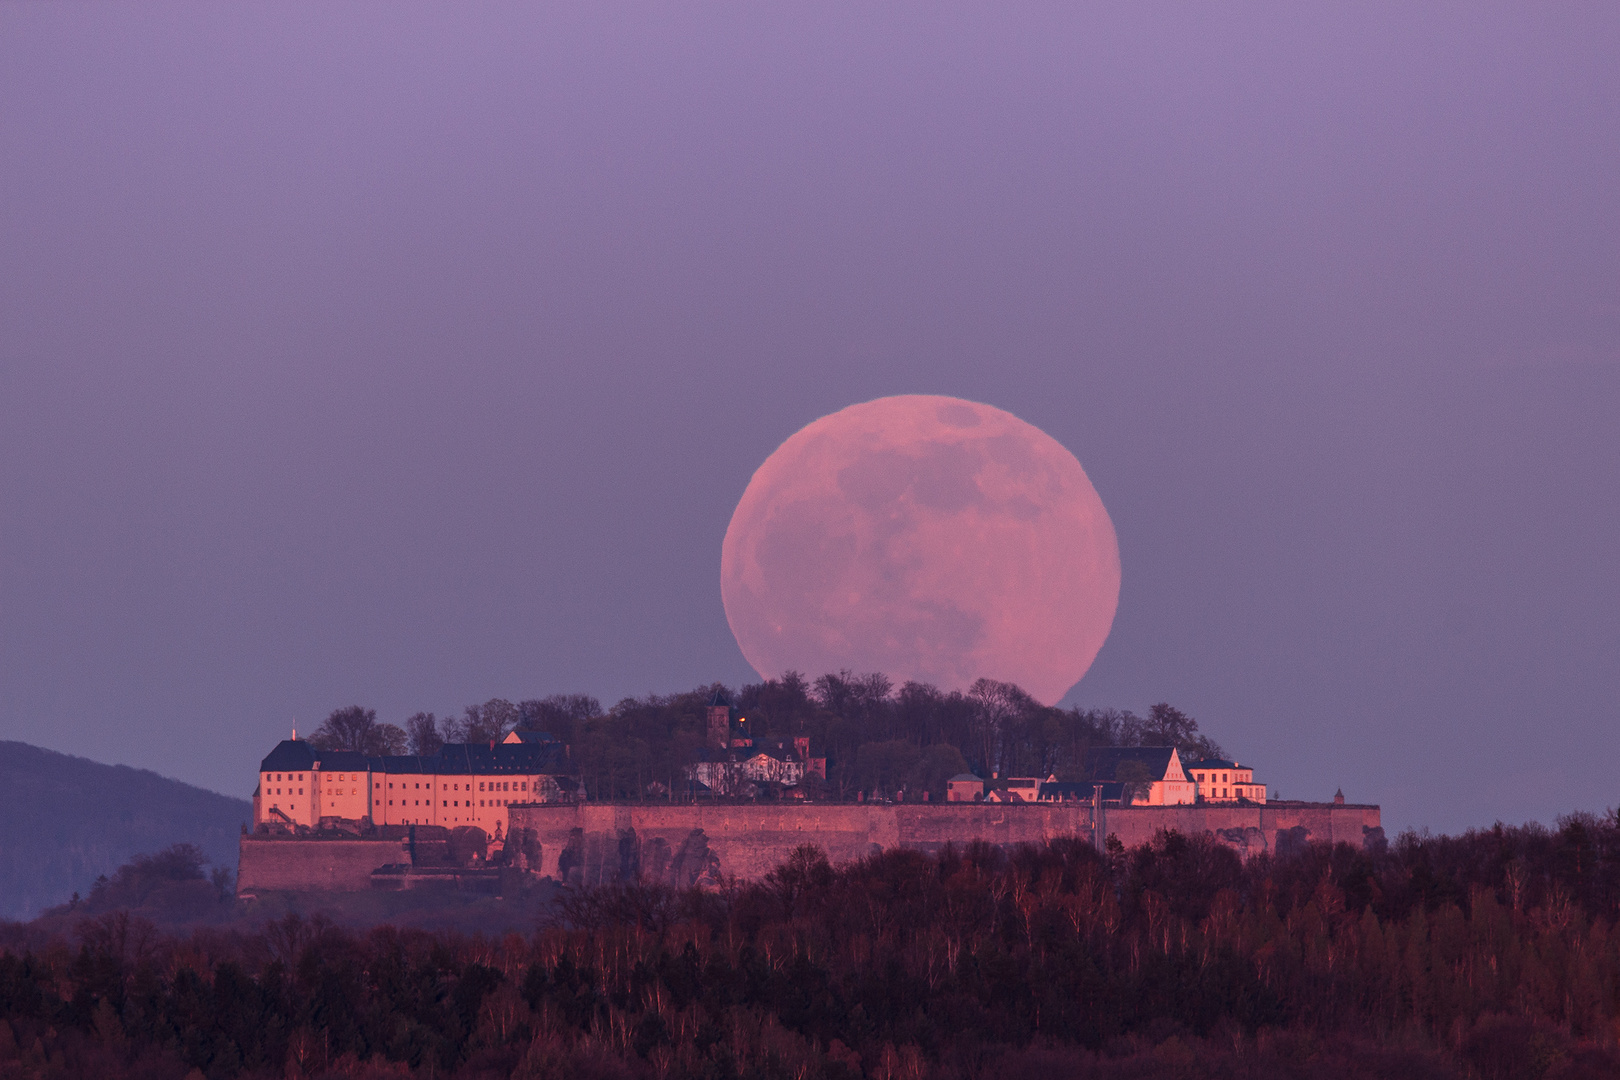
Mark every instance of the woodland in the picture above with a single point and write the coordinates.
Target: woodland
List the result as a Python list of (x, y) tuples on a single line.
[(1486, 956), (878, 739)]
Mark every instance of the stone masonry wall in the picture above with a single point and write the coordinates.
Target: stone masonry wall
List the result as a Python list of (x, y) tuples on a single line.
[(314, 865), (699, 844)]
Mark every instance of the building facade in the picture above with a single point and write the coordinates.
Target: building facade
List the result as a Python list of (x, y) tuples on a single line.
[(1148, 775), (462, 785), (733, 758), (1219, 780)]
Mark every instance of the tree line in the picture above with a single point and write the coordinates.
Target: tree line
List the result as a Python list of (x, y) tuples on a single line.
[(1488, 956), (878, 739)]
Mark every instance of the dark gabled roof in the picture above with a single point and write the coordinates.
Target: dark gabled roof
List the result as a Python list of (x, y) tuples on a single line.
[(1104, 761), (504, 758), (527, 757), (290, 755), (399, 763), (341, 761), (965, 777), (460, 759), (1214, 763), (533, 737)]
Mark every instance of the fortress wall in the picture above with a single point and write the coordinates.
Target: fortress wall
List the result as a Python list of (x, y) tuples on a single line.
[(704, 844), (682, 845), (314, 865), (1251, 830), (929, 827)]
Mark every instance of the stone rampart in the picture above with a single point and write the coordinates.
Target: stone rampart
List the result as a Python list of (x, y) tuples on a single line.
[(314, 865), (697, 844), (1252, 830)]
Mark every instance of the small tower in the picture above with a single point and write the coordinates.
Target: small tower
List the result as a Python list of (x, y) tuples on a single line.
[(720, 720), (1338, 797)]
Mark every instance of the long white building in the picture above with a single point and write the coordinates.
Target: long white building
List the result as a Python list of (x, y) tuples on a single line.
[(463, 784)]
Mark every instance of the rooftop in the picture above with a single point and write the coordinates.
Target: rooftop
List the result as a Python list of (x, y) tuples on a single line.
[(1104, 761), (519, 758)]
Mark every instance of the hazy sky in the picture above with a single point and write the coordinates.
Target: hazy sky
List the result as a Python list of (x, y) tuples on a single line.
[(415, 354)]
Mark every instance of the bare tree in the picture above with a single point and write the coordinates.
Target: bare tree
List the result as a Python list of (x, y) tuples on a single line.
[(388, 739), (1167, 725), (351, 728), (488, 722), (557, 713), (1001, 707), (355, 728), (852, 696), (422, 735)]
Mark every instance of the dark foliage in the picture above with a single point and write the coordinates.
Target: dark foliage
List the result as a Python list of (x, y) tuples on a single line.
[(878, 739), (1493, 954), (356, 728)]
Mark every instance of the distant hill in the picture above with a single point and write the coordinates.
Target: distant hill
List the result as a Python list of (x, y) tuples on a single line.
[(66, 820)]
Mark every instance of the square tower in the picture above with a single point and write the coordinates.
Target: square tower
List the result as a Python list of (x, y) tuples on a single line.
[(720, 720)]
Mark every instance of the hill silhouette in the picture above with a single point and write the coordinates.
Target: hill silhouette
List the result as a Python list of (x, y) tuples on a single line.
[(65, 821)]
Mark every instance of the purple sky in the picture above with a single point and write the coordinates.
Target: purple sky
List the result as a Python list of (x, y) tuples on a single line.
[(415, 354)]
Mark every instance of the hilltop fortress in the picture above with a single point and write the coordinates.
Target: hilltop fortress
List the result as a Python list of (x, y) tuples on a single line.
[(491, 816)]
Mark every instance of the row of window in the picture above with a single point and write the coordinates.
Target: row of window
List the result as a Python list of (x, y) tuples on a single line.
[(453, 802), (493, 785), (1224, 778)]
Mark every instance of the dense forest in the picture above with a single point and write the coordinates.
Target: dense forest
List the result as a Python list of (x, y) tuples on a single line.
[(1491, 955), (878, 739)]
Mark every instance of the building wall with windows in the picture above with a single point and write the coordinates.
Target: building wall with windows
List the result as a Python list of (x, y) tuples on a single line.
[(1225, 781), (300, 785)]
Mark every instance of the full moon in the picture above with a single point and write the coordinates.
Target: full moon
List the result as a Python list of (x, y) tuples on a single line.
[(928, 538)]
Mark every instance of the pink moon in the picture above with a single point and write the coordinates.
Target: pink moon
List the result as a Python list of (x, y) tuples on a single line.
[(929, 538)]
